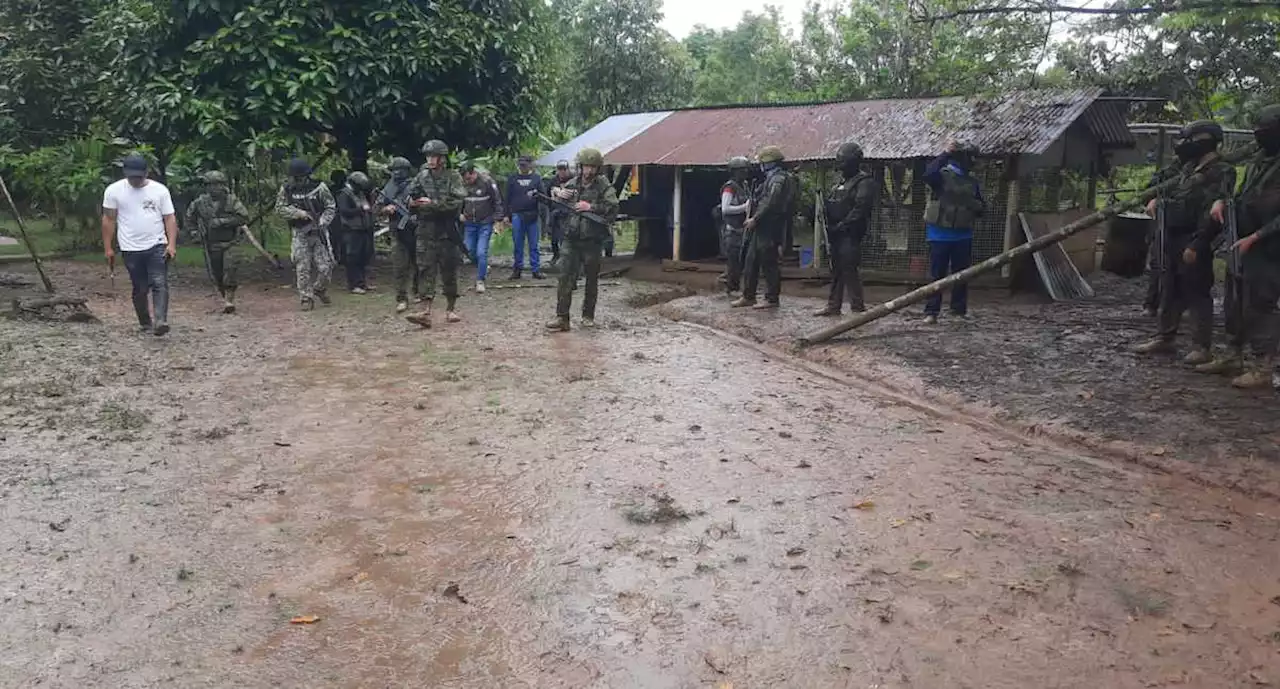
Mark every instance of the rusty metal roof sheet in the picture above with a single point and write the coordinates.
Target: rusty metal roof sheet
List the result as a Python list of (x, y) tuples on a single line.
[(605, 136), (1020, 122)]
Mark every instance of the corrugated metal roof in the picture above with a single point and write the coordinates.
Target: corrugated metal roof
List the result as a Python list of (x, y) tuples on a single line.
[(1021, 122), (606, 136), (1107, 124)]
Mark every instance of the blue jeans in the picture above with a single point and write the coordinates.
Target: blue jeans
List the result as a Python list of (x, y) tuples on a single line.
[(477, 240), (526, 230), (946, 258), (148, 272)]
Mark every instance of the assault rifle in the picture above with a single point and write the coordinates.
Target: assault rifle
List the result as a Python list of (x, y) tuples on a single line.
[(453, 234), (1160, 238), (552, 201)]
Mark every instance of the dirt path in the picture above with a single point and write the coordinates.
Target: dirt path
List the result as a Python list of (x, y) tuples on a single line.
[(646, 505)]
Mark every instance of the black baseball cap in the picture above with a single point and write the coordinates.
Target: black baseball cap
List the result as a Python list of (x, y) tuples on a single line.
[(134, 165)]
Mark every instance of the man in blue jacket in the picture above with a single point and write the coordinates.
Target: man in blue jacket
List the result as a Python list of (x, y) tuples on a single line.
[(522, 210), (954, 207)]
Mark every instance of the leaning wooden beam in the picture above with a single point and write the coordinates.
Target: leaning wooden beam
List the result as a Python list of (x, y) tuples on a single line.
[(48, 286), (995, 262)]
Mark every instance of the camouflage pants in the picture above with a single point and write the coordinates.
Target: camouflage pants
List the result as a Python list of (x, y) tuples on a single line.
[(311, 262), (222, 263), (404, 264), (438, 256), (581, 256)]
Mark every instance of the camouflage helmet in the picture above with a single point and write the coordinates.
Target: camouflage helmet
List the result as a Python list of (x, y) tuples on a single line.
[(848, 152), (1199, 127), (358, 179), (589, 156), (739, 163), (770, 154), (213, 177), (1267, 118), (467, 166), (435, 147), (398, 163)]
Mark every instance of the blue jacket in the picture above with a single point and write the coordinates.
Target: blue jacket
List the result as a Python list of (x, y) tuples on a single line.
[(933, 178)]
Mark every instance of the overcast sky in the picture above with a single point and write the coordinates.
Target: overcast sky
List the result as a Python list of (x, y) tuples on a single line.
[(683, 15)]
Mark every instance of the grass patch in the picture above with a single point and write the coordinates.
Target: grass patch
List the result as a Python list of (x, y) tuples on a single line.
[(1143, 602), (658, 508), (119, 417)]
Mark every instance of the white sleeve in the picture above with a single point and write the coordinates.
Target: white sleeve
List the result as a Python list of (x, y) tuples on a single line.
[(166, 201), (726, 202), (109, 201)]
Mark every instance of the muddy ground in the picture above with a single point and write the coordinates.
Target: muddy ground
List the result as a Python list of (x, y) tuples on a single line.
[(1059, 368), (649, 504)]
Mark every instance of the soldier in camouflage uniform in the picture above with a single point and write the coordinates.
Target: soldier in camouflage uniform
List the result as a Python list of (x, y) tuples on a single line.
[(308, 207), (404, 234), (1187, 279), (217, 215), (767, 228), (735, 206), (848, 208), (589, 192), (1257, 207), (436, 196)]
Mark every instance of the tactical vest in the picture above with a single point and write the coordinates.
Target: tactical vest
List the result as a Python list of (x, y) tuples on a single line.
[(739, 196), (579, 227), (840, 203), (956, 205), (305, 195), (219, 225), (1186, 205), (1259, 203)]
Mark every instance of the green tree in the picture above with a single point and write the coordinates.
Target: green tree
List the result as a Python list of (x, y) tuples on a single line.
[(238, 76), (753, 62), (48, 67), (1221, 63), (616, 58), (885, 49)]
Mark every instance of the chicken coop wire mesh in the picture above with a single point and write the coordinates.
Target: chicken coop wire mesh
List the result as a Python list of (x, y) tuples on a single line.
[(896, 246)]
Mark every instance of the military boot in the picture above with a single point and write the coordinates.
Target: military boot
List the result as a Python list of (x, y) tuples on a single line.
[(1197, 356), (559, 324), (422, 318), (1232, 362), (229, 301), (741, 302), (1155, 345), (323, 296), (1253, 379), (308, 304)]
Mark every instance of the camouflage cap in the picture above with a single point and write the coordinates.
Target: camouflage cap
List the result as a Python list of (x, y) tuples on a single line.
[(398, 163), (770, 154), (214, 177), (848, 151), (359, 180), (739, 163), (1202, 127), (435, 147), (1268, 117), (467, 166), (590, 156)]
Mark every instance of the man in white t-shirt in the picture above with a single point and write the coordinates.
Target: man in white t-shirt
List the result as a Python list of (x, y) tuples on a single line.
[(139, 213)]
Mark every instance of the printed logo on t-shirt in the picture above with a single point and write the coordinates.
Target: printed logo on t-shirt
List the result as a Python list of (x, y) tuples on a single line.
[(150, 206), (524, 182)]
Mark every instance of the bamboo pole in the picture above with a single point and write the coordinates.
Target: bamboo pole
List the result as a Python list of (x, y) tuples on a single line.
[(22, 228), (920, 294)]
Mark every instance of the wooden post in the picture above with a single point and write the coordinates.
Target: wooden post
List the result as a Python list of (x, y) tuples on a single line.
[(819, 222), (676, 212), (35, 257), (1012, 226), (920, 294)]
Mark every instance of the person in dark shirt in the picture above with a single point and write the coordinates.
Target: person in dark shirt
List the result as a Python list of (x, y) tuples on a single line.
[(955, 204), (522, 211)]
